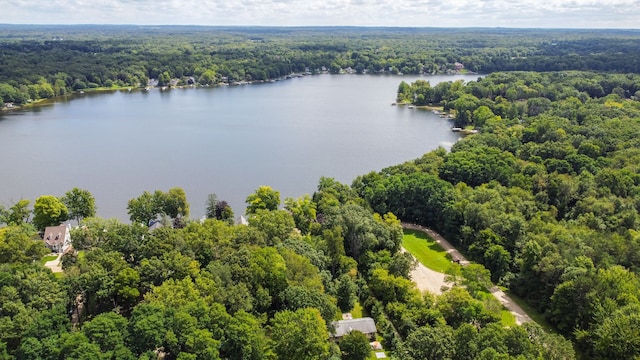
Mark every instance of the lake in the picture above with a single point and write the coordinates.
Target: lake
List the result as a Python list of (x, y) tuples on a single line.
[(223, 140)]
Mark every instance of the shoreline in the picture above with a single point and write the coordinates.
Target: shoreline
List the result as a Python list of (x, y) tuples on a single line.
[(73, 94)]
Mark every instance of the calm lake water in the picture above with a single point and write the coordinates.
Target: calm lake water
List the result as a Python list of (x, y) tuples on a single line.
[(225, 140)]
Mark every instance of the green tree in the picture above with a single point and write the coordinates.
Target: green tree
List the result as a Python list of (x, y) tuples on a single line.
[(210, 206), (245, 339), (145, 208), (110, 332), (218, 209), (355, 346), (18, 213), (431, 343), (48, 210), (300, 335), (174, 203), (277, 225), (304, 212), (346, 292), (81, 204), (264, 198), (17, 245)]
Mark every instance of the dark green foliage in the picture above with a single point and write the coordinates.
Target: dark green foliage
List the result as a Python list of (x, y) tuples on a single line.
[(355, 346), (545, 197)]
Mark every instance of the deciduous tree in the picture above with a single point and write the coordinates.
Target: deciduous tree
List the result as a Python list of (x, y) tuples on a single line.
[(81, 204), (49, 211)]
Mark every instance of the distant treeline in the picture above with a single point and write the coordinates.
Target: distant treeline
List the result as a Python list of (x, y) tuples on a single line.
[(45, 61)]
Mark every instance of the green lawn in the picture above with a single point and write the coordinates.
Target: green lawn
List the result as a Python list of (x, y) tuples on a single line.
[(426, 250), (507, 319), (47, 258)]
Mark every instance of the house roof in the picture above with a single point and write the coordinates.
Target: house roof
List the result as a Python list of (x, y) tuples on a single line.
[(156, 224), (364, 325), (55, 235)]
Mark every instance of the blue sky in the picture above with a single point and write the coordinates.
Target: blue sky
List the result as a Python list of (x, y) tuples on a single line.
[(421, 13)]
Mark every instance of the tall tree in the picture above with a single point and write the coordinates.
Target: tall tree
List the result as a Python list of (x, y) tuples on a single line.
[(175, 203), (48, 210), (18, 213), (300, 335), (355, 346), (145, 207), (210, 206), (264, 198), (81, 204)]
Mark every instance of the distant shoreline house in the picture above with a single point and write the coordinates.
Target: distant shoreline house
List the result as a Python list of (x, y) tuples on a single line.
[(365, 325), (57, 238)]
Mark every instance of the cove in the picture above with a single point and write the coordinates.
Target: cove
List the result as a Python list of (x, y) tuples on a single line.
[(223, 140)]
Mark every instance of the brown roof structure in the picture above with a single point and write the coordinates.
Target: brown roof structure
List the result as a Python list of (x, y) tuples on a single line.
[(55, 236)]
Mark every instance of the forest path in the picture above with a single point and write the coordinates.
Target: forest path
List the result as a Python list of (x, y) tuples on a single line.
[(427, 279)]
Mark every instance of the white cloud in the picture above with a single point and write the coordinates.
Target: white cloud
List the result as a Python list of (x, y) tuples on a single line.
[(439, 13)]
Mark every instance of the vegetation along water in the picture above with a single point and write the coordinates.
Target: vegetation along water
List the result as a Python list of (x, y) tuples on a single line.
[(542, 197)]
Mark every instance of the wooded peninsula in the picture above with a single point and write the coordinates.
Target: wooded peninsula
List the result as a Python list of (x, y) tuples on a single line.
[(543, 200)]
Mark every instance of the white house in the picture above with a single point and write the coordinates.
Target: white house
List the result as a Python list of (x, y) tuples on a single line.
[(57, 238)]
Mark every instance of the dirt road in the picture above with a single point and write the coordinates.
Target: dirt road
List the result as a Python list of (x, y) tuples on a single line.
[(426, 280)]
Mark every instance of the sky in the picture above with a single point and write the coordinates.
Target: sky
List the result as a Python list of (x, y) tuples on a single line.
[(619, 14)]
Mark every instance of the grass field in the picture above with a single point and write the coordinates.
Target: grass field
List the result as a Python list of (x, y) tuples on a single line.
[(47, 258), (426, 250)]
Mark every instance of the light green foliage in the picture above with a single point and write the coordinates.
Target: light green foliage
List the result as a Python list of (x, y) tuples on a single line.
[(81, 204), (459, 307), (175, 203), (303, 211), (297, 297), (300, 271), (49, 211), (277, 225), (145, 208), (391, 288), (148, 207), (246, 339), (426, 250), (299, 335), (17, 214), (264, 198), (18, 244)]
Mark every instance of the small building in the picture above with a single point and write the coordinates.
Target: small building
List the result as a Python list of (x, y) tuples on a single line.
[(57, 238), (365, 325), (155, 224), (241, 220)]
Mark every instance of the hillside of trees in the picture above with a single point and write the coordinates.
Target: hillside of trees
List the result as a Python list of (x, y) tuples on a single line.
[(546, 196), (215, 290), (40, 62)]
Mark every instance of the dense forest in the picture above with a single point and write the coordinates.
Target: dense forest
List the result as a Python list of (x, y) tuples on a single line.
[(214, 290), (546, 196), (44, 62)]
